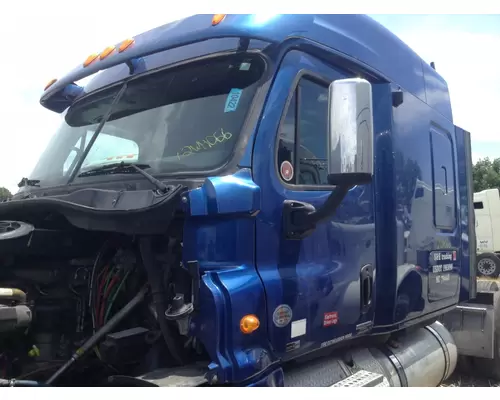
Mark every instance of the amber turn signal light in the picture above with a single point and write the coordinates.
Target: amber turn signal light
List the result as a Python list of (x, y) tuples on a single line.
[(249, 324)]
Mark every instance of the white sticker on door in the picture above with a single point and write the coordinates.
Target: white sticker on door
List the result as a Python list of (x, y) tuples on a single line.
[(299, 328)]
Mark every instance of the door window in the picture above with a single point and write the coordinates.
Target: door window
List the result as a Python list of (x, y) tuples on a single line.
[(303, 139)]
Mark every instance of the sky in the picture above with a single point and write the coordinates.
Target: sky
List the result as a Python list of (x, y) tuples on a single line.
[(39, 44), (466, 52)]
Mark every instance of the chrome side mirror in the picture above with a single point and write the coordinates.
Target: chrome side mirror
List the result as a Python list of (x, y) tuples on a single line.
[(350, 139)]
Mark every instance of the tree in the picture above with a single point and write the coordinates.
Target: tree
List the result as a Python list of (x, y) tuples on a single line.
[(4, 193), (486, 174)]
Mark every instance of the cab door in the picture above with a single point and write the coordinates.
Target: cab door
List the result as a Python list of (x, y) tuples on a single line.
[(319, 288)]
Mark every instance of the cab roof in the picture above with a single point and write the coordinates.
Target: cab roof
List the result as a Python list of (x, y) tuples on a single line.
[(357, 36)]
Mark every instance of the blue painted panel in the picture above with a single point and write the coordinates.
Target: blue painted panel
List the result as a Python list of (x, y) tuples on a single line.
[(220, 234), (356, 36), (405, 220), (319, 274)]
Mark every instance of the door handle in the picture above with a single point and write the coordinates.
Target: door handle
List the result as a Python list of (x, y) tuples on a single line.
[(366, 288)]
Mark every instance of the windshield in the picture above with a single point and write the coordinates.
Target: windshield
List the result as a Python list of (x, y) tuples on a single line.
[(184, 119)]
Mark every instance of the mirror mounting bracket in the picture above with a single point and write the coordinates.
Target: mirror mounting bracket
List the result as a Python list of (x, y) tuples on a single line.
[(300, 219)]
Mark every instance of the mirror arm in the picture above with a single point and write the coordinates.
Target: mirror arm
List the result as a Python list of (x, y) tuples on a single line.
[(310, 219), (344, 183), (300, 219)]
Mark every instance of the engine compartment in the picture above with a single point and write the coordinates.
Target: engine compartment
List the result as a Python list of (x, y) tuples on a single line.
[(81, 308)]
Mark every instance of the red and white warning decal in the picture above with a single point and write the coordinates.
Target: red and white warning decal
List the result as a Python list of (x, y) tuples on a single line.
[(330, 318), (286, 171)]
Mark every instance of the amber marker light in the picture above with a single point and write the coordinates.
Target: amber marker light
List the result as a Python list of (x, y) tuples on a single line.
[(90, 59), (106, 52), (125, 45), (249, 323), (51, 82), (217, 19)]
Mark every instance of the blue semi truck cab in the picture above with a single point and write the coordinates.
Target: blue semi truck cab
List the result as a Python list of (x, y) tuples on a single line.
[(247, 200)]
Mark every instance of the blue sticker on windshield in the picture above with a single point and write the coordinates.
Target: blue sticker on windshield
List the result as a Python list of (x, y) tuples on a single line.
[(232, 100)]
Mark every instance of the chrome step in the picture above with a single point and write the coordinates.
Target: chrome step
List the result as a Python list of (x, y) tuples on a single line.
[(363, 379)]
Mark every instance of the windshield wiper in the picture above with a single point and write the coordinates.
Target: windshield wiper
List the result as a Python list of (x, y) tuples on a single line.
[(115, 168), (122, 167), (28, 182), (104, 119)]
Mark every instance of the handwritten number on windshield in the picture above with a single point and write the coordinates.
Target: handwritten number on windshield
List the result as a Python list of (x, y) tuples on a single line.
[(205, 144)]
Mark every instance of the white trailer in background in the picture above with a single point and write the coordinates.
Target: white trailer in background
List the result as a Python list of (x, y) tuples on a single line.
[(487, 212)]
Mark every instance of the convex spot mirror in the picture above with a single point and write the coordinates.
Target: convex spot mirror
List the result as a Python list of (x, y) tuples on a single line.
[(350, 139)]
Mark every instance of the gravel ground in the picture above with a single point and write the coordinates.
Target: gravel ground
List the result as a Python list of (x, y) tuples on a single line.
[(458, 380)]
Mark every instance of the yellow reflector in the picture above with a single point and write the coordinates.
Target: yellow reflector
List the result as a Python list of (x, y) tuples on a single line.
[(106, 52), (249, 324), (125, 45), (50, 84), (90, 59), (217, 19)]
